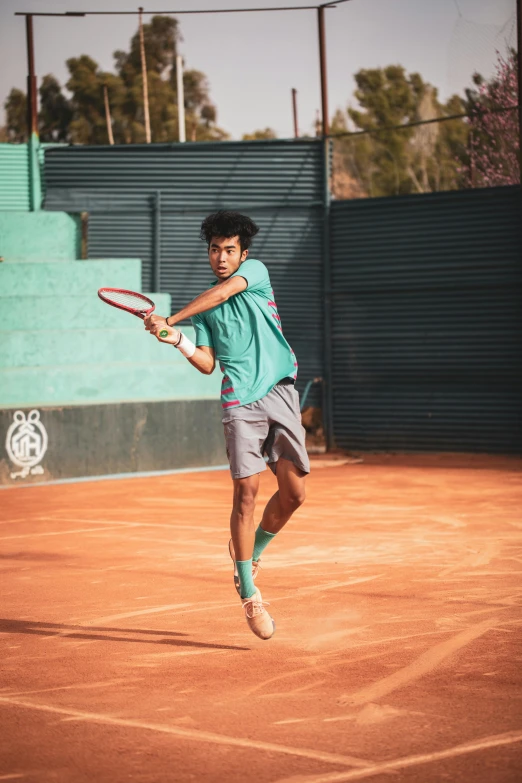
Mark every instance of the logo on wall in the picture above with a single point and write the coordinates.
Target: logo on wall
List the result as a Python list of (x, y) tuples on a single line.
[(26, 443)]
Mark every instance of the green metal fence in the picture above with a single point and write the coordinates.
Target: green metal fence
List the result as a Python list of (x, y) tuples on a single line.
[(427, 321)]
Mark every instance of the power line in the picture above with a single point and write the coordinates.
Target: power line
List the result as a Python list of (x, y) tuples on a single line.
[(416, 123), (174, 12)]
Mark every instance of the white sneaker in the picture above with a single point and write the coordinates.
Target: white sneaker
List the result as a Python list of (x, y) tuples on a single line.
[(258, 619)]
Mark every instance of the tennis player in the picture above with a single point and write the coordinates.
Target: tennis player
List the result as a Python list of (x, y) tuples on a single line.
[(237, 323)]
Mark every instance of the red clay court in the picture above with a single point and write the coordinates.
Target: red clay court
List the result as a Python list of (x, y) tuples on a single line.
[(397, 596)]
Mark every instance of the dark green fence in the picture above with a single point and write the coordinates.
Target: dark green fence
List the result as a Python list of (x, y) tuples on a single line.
[(427, 321)]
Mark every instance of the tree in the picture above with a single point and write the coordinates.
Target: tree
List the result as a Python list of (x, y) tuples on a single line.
[(55, 113), (259, 135), (16, 115), (495, 139), (82, 118), (387, 159)]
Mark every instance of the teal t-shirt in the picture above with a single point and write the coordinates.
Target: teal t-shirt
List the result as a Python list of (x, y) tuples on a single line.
[(246, 334)]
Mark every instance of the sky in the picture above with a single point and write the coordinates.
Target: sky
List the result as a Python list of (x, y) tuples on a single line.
[(253, 60)]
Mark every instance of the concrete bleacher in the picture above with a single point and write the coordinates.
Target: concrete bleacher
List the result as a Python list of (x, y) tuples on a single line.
[(60, 344)]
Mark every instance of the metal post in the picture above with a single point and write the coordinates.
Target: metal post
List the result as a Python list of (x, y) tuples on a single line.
[(327, 303), (181, 98), (322, 63), (157, 242), (519, 49), (144, 78), (294, 108), (35, 190), (108, 120), (32, 105)]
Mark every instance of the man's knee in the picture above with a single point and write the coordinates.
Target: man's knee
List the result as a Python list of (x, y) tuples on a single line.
[(293, 497), (244, 497)]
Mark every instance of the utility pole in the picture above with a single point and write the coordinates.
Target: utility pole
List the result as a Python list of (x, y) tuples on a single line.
[(322, 64), (32, 106), (144, 78), (181, 98), (108, 114), (519, 48), (294, 108), (33, 142)]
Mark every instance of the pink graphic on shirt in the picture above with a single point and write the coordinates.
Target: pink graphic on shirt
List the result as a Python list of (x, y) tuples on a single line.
[(229, 404)]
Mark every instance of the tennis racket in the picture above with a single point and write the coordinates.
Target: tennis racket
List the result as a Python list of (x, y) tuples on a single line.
[(137, 304)]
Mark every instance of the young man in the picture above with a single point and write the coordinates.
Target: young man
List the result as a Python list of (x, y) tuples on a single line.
[(237, 323)]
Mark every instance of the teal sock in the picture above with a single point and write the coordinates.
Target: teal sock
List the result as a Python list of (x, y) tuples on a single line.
[(246, 583), (261, 542)]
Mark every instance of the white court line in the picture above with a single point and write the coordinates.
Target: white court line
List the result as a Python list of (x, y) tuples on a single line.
[(118, 476), (425, 663), (128, 523), (78, 686), (494, 741), (12, 776), (58, 533), (155, 609), (194, 735), (218, 605)]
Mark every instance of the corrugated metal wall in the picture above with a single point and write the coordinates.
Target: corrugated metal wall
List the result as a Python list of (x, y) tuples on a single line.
[(14, 177), (427, 321), (278, 183), (15, 189)]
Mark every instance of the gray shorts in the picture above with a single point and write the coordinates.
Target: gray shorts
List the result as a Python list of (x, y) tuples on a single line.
[(271, 426)]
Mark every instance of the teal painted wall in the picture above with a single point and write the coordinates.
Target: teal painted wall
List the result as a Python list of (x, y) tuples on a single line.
[(39, 236), (14, 177), (15, 169), (60, 345)]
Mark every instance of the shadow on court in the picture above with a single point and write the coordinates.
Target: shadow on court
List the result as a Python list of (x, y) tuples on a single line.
[(80, 632)]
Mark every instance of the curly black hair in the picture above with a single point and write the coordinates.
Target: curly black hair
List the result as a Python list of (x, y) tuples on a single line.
[(229, 224)]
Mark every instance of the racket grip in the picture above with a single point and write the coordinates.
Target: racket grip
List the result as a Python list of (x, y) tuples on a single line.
[(163, 333)]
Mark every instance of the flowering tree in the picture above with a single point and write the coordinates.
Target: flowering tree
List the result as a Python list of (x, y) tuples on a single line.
[(494, 131)]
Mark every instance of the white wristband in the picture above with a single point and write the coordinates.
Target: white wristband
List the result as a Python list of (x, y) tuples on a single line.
[(186, 347)]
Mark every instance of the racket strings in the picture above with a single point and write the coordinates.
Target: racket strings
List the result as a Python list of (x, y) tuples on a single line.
[(127, 299)]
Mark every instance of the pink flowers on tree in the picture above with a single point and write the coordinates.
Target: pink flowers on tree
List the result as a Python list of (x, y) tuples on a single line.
[(494, 132)]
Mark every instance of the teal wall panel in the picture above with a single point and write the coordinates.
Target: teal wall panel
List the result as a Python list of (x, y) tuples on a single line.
[(39, 236), (15, 186), (14, 177), (60, 345)]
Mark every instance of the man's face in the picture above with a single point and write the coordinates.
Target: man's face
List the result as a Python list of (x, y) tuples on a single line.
[(225, 256)]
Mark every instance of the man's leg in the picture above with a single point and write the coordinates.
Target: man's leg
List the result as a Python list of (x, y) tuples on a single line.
[(289, 496), (242, 530)]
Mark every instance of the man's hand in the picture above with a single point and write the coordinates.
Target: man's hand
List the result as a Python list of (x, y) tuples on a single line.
[(156, 324)]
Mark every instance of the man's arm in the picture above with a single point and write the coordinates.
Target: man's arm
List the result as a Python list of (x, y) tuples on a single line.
[(204, 358), (209, 299), (205, 301)]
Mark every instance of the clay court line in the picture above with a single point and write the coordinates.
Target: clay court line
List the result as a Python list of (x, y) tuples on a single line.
[(13, 776), (172, 526), (494, 741), (422, 665), (78, 686), (58, 533), (155, 609), (218, 605), (193, 735)]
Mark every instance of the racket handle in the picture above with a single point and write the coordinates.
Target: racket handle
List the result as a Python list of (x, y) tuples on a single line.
[(163, 333)]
